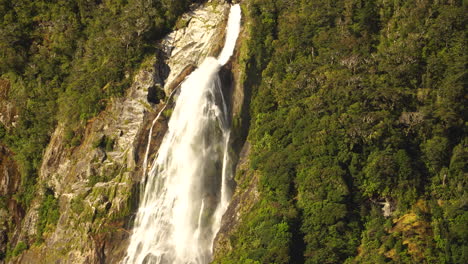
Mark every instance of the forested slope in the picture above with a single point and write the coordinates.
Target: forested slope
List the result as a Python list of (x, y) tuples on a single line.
[(357, 120), (61, 61), (358, 132)]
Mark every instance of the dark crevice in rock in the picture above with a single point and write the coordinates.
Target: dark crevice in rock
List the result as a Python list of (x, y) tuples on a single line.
[(227, 85), (161, 72)]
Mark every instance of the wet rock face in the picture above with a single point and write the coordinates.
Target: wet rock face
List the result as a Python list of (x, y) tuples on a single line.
[(97, 183), (242, 202), (246, 193), (227, 81)]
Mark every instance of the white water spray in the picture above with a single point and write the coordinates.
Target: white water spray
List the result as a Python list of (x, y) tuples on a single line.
[(186, 190)]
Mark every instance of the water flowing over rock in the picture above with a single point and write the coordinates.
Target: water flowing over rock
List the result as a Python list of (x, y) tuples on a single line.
[(186, 191)]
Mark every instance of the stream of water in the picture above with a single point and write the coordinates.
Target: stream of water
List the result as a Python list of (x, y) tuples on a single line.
[(186, 189)]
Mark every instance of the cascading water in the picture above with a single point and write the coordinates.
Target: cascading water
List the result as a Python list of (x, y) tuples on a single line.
[(186, 190)]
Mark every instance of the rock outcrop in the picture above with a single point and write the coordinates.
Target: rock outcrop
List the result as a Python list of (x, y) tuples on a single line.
[(11, 212), (8, 114), (189, 46), (97, 183)]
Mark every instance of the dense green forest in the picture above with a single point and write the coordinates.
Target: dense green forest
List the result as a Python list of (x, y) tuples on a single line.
[(356, 104), (63, 60)]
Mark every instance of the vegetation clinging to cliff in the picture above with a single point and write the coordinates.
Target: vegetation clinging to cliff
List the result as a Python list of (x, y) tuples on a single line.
[(65, 59)]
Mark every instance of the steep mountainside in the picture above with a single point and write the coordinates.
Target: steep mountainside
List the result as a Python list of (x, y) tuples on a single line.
[(85, 191), (348, 126)]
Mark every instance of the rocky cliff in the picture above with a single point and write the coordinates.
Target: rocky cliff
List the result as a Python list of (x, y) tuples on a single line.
[(93, 188), (11, 212)]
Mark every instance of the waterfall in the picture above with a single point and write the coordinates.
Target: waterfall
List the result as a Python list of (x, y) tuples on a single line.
[(186, 188)]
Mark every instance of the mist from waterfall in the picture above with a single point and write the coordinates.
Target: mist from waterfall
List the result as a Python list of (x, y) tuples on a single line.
[(185, 191)]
